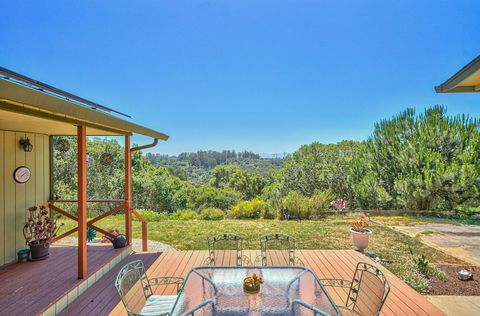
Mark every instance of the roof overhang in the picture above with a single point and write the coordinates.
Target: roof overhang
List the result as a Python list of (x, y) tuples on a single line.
[(26, 109), (466, 79)]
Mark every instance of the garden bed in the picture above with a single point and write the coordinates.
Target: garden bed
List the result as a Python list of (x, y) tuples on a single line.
[(454, 286)]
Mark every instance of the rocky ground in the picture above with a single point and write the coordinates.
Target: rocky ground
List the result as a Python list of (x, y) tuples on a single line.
[(153, 246)]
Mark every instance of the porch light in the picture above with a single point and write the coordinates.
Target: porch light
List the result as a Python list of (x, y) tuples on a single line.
[(27, 146)]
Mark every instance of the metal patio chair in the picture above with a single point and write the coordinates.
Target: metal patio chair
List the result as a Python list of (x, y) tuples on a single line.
[(277, 249), (368, 290), (226, 245), (135, 289)]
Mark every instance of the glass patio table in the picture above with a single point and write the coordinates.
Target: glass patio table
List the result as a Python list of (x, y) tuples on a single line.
[(285, 291)]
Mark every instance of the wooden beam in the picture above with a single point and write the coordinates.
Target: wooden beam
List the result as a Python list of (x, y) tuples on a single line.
[(138, 216), (82, 201), (89, 201), (65, 234), (63, 212), (89, 223), (144, 237), (112, 211), (144, 230), (128, 192)]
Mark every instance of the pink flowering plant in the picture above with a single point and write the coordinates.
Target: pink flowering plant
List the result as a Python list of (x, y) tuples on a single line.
[(340, 204), (39, 227)]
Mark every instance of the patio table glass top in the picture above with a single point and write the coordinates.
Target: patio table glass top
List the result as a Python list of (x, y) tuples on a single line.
[(285, 291)]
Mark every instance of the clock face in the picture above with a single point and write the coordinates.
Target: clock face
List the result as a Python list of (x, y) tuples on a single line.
[(22, 174)]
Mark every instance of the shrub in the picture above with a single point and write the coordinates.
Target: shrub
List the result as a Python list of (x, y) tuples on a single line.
[(184, 215), (209, 196), (151, 216), (270, 211), (248, 209), (297, 206), (369, 194), (320, 201), (212, 214)]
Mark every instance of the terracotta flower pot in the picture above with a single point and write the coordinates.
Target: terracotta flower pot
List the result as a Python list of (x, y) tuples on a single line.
[(360, 239)]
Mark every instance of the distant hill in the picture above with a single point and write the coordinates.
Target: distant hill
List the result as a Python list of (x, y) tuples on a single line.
[(195, 167)]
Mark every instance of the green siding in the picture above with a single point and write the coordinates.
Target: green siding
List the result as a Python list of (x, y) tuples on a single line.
[(15, 197)]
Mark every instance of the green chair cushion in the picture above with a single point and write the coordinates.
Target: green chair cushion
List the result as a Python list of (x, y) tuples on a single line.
[(158, 305)]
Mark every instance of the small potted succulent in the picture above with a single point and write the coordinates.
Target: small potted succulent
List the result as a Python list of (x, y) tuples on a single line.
[(39, 230), (360, 233), (251, 285)]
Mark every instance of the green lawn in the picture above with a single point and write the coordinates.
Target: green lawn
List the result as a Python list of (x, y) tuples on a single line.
[(330, 233)]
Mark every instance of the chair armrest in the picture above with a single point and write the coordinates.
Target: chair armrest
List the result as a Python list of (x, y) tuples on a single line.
[(298, 262), (336, 282), (166, 280), (246, 260), (208, 261), (155, 282), (258, 261)]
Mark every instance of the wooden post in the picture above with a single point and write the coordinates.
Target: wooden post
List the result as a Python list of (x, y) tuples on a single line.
[(128, 192), (82, 201), (144, 236)]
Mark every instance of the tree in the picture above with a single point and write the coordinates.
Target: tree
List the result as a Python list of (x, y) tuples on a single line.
[(319, 167), (426, 161), (248, 184)]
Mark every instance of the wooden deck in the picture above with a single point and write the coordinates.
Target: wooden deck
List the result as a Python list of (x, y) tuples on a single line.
[(102, 299), (30, 288)]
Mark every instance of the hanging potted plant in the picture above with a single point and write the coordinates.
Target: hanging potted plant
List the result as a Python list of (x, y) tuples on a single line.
[(39, 229), (360, 233)]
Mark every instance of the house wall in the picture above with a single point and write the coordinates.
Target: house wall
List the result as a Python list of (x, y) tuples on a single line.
[(15, 198)]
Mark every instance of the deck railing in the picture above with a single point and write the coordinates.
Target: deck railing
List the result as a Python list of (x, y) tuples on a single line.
[(91, 222)]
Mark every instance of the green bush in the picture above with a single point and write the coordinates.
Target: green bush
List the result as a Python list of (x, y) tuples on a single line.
[(320, 201), (248, 209), (151, 216), (466, 210), (270, 211), (297, 205), (184, 215), (369, 194), (212, 214)]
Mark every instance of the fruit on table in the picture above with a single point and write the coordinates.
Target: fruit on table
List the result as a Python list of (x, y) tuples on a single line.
[(252, 284)]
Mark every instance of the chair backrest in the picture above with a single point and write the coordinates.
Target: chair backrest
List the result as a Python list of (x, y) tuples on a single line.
[(369, 290), (133, 286), (224, 249), (277, 250)]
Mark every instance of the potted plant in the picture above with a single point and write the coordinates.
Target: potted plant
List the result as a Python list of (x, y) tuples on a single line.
[(39, 229), (360, 233)]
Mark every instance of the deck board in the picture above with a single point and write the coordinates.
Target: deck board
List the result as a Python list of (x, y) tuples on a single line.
[(102, 298), (28, 288)]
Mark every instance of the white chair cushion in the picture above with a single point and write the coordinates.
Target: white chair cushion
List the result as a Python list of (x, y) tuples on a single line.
[(158, 305)]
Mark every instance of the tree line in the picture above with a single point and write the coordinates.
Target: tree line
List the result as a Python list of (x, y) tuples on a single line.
[(425, 161)]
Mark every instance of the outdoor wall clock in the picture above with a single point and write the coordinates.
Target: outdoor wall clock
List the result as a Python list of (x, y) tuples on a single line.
[(22, 174)]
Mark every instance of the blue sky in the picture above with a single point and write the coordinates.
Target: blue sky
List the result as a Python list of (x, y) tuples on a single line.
[(265, 76)]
